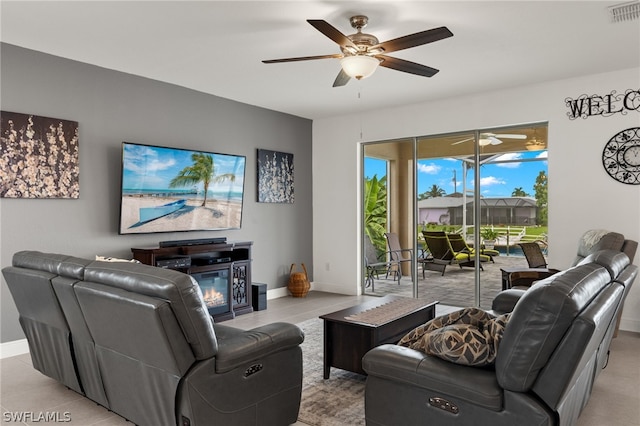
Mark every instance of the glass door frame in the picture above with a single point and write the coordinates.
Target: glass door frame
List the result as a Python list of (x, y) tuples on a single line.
[(393, 172)]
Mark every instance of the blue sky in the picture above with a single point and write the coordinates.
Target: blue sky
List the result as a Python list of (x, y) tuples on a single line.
[(496, 180), (149, 167)]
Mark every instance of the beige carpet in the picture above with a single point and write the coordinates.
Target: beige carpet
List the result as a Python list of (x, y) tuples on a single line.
[(337, 401)]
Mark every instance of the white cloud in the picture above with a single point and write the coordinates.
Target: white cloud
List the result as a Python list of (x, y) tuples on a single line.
[(491, 180), (430, 169), (509, 157), (145, 160)]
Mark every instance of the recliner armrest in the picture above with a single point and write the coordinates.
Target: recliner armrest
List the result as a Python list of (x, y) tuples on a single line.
[(506, 300), (441, 378), (237, 347)]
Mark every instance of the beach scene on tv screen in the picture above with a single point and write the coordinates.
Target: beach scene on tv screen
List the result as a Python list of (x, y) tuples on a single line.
[(169, 190)]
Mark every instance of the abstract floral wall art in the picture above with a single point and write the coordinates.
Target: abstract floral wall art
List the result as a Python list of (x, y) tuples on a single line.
[(38, 157), (275, 177)]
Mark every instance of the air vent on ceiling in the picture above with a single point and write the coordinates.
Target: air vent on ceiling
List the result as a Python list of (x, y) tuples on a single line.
[(625, 11)]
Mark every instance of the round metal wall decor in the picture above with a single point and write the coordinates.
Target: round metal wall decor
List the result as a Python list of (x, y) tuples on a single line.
[(621, 156)]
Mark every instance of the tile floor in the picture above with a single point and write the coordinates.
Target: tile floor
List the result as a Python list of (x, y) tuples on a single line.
[(615, 400), (456, 287)]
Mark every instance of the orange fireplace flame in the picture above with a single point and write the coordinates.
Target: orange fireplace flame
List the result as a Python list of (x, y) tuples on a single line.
[(213, 298)]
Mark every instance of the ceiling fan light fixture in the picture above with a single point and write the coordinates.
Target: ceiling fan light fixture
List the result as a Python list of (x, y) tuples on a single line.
[(362, 53), (359, 66), (535, 145), (484, 141)]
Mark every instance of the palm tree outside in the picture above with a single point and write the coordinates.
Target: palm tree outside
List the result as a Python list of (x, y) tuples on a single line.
[(519, 192), (434, 192)]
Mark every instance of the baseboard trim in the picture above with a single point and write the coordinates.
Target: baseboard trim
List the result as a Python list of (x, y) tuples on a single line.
[(277, 293), (337, 289), (14, 348), (630, 325)]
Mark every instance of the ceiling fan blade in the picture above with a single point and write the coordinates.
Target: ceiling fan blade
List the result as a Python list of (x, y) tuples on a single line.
[(341, 79), (406, 66), (485, 139), (508, 136), (303, 58), (462, 141), (330, 31), (412, 40)]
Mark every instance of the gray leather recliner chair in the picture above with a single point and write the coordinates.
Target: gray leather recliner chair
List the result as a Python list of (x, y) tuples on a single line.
[(554, 346), (140, 341), (42, 319)]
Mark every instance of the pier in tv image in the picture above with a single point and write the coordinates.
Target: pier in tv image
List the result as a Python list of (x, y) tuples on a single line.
[(172, 189)]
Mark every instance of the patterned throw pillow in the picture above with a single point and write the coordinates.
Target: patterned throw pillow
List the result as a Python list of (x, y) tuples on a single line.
[(469, 336)]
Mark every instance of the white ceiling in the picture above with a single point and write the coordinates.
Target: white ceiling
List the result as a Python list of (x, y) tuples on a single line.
[(216, 47)]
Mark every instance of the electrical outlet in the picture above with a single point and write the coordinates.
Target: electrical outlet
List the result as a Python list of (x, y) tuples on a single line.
[(327, 266)]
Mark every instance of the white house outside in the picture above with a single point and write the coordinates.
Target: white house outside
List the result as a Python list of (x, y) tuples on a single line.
[(449, 210)]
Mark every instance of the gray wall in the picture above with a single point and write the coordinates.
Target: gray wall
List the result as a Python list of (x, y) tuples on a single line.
[(112, 107)]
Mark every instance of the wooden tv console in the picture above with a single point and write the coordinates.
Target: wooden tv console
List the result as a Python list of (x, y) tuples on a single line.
[(196, 260)]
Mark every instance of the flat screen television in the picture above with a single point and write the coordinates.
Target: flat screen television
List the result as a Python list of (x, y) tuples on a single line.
[(173, 189)]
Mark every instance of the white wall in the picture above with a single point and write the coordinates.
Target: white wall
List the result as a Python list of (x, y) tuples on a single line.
[(581, 195)]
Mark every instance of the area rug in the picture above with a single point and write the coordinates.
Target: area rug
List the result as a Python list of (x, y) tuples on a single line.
[(336, 401)]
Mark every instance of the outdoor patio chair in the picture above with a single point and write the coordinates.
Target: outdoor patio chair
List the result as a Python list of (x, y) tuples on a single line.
[(375, 264), (398, 255), (538, 269), (459, 244), (443, 254), (533, 254)]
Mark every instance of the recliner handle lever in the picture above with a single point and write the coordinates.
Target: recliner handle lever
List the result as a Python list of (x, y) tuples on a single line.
[(443, 404), (253, 370)]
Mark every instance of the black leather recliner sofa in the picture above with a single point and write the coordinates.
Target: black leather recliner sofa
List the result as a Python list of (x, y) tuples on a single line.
[(553, 348), (139, 341)]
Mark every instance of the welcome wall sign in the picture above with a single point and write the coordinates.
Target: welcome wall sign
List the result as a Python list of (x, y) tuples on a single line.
[(585, 106)]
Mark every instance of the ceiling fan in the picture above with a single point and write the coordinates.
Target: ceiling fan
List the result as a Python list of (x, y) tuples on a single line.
[(492, 138), (362, 53)]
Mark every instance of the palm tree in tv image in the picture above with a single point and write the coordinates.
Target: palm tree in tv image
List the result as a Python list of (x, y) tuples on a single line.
[(202, 170)]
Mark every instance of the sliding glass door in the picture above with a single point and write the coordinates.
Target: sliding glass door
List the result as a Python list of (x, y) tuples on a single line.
[(445, 195)]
